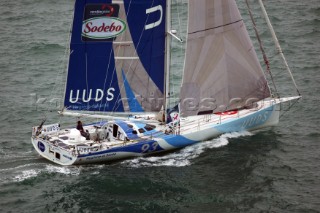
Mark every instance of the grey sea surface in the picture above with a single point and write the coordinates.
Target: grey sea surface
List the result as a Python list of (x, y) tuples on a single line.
[(274, 170)]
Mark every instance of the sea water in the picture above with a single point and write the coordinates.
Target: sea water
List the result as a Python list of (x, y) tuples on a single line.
[(274, 170)]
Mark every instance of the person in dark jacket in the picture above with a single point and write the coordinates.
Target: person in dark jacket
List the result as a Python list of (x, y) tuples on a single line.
[(82, 132)]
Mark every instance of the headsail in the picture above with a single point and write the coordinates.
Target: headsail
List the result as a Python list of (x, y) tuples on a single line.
[(117, 55), (222, 71)]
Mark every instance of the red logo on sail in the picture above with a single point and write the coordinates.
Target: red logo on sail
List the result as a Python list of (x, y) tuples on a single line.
[(110, 9)]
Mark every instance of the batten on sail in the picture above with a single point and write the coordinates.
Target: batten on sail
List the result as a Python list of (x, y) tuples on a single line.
[(222, 71)]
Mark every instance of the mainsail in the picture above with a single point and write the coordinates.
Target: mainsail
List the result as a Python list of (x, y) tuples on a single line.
[(117, 55), (222, 71)]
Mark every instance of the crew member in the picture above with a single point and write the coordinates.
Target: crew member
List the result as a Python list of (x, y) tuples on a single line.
[(82, 132)]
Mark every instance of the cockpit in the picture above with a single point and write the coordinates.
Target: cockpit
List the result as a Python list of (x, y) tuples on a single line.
[(126, 131)]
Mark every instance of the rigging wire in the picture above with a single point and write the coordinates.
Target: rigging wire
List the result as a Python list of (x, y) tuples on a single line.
[(288, 109), (265, 58), (277, 44)]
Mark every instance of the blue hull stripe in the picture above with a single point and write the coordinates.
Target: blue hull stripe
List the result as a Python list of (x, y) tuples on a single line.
[(134, 148), (178, 141)]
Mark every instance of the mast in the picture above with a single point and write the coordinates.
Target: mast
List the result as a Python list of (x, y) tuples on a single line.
[(168, 57), (276, 41)]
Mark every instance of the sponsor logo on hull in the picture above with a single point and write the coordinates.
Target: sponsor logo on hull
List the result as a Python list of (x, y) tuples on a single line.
[(41, 146)]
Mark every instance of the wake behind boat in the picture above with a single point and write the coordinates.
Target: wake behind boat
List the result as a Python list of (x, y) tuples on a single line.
[(119, 65)]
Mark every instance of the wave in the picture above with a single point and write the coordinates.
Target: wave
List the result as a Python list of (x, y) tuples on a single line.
[(27, 171), (179, 158), (42, 47), (49, 169), (11, 157), (26, 175), (184, 156), (75, 171)]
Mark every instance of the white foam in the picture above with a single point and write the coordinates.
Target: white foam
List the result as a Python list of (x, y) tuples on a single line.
[(180, 158), (184, 156), (63, 170), (26, 175), (19, 175), (18, 167)]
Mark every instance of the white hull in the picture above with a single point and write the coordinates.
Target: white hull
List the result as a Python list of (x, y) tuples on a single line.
[(193, 130)]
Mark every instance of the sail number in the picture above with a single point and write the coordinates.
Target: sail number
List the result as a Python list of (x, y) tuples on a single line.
[(149, 147)]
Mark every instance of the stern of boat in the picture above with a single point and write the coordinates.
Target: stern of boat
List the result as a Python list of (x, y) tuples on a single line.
[(53, 153)]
